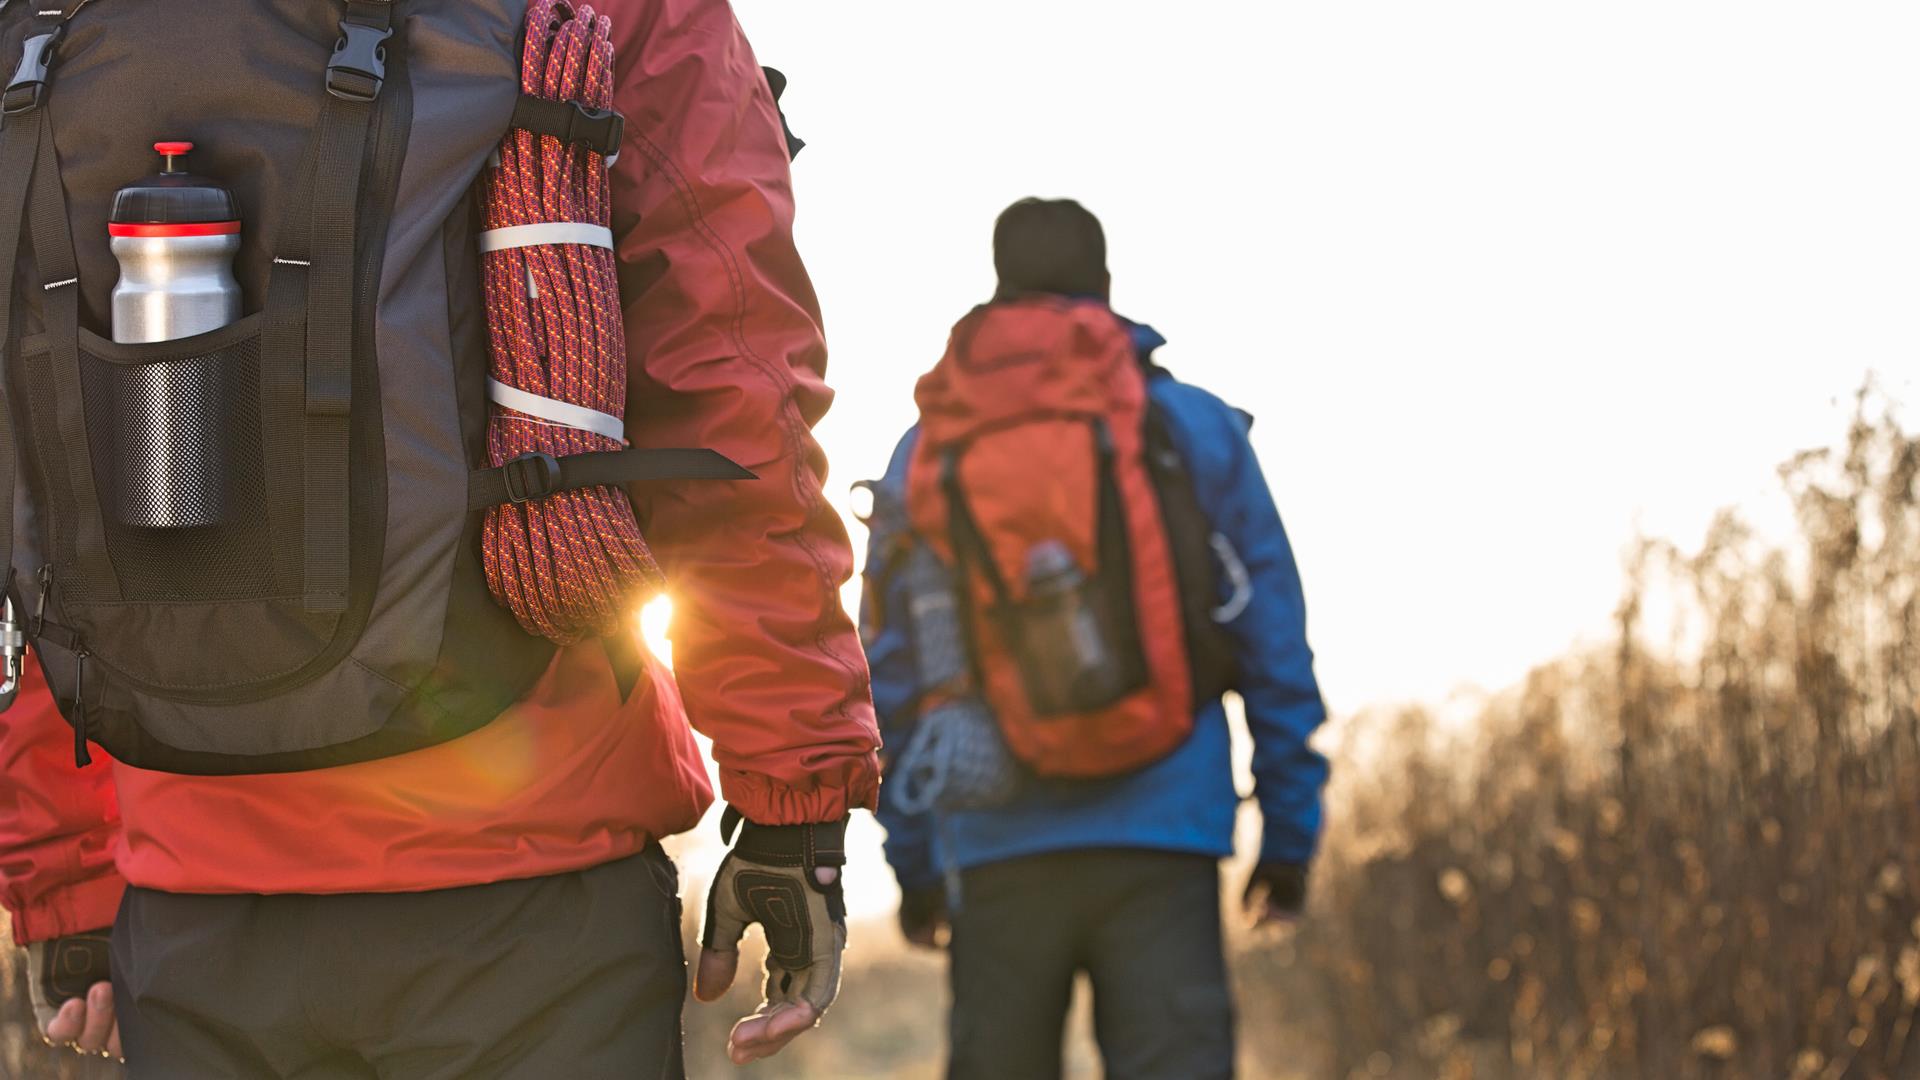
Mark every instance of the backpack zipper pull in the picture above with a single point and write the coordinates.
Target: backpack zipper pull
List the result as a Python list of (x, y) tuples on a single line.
[(39, 624), (81, 758)]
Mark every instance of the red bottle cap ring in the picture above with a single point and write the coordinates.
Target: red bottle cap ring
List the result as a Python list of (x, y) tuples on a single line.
[(170, 229)]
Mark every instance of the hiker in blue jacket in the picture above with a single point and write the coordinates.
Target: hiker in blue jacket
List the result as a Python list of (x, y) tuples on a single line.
[(1118, 878)]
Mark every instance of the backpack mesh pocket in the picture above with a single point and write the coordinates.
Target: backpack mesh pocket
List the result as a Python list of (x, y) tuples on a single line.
[(175, 438)]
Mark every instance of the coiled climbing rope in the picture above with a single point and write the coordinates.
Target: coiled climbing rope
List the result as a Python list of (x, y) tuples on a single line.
[(572, 565)]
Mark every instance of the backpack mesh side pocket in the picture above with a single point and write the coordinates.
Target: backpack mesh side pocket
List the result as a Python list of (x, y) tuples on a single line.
[(175, 437)]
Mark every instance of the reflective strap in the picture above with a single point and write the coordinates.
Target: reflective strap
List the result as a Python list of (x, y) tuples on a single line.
[(546, 232), (564, 413)]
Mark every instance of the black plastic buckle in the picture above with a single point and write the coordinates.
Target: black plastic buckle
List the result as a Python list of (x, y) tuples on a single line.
[(29, 83), (600, 129), (571, 122), (531, 476), (359, 66)]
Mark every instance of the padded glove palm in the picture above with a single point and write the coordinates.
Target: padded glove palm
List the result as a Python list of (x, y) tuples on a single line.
[(770, 878)]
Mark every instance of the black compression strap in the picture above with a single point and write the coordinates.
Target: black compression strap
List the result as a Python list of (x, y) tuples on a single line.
[(19, 143), (969, 544), (536, 476), (571, 122), (342, 151), (283, 373), (59, 281)]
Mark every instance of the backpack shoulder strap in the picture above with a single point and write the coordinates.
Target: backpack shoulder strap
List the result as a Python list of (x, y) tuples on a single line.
[(1190, 536), (23, 143)]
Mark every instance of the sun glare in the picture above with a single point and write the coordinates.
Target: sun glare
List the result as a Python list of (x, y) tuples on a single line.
[(655, 618)]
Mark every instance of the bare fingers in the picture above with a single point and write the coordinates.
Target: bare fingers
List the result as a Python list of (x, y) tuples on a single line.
[(768, 1031), (67, 1023), (88, 1024), (99, 1025)]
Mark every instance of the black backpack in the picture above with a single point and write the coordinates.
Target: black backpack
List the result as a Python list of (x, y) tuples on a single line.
[(338, 611)]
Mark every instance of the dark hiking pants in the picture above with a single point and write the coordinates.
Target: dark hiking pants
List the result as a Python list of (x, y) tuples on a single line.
[(575, 975), (1143, 925)]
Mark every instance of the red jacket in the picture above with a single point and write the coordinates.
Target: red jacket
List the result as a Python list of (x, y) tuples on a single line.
[(724, 332)]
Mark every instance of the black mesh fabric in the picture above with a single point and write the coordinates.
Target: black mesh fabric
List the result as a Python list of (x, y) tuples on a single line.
[(176, 445), (170, 450)]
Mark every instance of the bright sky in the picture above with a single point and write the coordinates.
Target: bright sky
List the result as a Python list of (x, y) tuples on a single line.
[(1504, 282)]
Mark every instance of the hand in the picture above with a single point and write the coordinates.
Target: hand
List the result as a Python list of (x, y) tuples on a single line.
[(1276, 893), (923, 917), (787, 879), (72, 998)]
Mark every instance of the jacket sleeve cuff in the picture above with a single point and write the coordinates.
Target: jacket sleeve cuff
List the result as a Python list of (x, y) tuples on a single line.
[(766, 801), (76, 909)]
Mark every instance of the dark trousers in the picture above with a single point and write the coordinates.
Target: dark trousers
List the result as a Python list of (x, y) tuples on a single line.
[(1143, 925), (576, 975)]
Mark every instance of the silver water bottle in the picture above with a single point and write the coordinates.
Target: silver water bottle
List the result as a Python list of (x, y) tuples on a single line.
[(175, 235)]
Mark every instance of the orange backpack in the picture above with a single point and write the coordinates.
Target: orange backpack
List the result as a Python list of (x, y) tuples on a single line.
[(1034, 478)]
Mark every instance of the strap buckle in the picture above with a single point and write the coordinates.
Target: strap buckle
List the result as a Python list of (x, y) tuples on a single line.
[(571, 122), (600, 129), (359, 66), (531, 476), (29, 83)]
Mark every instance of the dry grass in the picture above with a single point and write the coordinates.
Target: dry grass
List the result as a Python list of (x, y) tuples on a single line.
[(1693, 854)]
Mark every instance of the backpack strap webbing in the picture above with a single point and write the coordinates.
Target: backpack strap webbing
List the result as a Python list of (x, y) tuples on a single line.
[(970, 548), (59, 278), (964, 536), (600, 130), (26, 152), (19, 146), (354, 79), (536, 476), (1191, 538)]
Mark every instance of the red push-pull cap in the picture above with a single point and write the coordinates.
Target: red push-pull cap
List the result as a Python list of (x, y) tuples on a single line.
[(172, 151)]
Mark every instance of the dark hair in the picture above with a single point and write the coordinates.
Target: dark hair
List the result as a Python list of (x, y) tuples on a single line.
[(1050, 246)]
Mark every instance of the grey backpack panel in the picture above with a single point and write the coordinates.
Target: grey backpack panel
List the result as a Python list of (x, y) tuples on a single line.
[(463, 70)]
